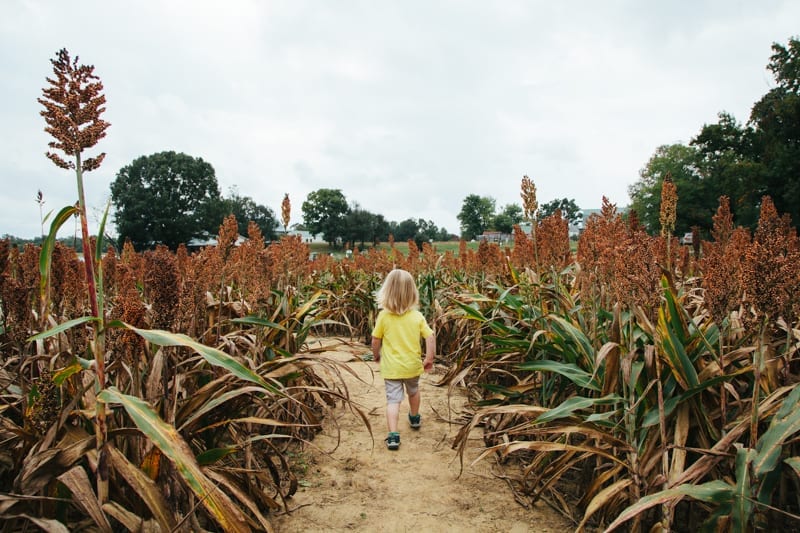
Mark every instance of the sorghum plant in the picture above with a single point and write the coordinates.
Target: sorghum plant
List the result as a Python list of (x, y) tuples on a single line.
[(73, 104)]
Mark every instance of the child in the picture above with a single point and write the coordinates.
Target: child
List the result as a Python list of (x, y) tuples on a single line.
[(396, 346)]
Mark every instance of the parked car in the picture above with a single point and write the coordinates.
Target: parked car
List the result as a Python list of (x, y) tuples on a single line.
[(687, 238)]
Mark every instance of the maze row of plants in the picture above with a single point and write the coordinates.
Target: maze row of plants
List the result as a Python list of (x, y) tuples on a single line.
[(634, 382)]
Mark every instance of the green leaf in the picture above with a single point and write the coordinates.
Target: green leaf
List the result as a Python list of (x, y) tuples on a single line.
[(741, 504), (211, 355), (672, 344), (98, 250), (216, 402), (46, 255), (636, 371), (784, 424), (715, 492), (651, 417), (608, 419), (471, 310), (576, 403), (209, 457), (570, 371), (64, 326), (575, 346), (257, 321), (62, 375)]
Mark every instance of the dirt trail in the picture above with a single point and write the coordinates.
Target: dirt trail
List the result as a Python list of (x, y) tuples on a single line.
[(362, 486)]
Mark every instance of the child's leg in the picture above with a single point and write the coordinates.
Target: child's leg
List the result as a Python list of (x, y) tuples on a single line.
[(413, 403), (392, 415), (412, 387), (394, 397)]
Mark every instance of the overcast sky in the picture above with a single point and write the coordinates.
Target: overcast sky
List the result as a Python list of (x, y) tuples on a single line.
[(406, 106)]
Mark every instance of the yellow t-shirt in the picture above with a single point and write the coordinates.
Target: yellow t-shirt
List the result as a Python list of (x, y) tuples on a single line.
[(400, 343)]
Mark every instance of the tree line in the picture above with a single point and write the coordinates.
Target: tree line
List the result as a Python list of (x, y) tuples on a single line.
[(169, 198), (479, 214)]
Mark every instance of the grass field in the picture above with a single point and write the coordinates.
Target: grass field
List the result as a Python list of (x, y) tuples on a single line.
[(439, 246)]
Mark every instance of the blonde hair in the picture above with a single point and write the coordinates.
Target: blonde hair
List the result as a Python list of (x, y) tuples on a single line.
[(398, 293)]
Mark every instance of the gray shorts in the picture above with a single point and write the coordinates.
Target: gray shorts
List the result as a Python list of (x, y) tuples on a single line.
[(394, 388)]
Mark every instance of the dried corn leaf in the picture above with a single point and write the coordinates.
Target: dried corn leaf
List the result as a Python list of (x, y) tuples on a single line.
[(77, 481), (218, 504), (145, 487)]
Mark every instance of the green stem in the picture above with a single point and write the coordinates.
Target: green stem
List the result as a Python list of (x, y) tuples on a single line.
[(534, 222), (758, 361), (98, 347), (723, 394), (668, 259)]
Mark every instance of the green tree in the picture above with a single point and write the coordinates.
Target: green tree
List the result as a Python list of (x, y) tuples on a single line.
[(445, 235), (381, 229), (362, 226), (165, 198), (569, 210), (407, 229), (476, 215), (506, 219), (419, 230), (694, 207), (726, 161), (324, 212), (427, 231), (776, 120), (245, 209)]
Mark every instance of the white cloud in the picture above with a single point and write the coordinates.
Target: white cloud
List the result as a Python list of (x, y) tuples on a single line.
[(406, 107)]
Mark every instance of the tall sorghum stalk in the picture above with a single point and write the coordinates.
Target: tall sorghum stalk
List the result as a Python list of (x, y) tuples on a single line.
[(44, 295), (669, 203), (720, 274), (758, 368), (226, 242), (530, 209), (73, 103), (666, 508)]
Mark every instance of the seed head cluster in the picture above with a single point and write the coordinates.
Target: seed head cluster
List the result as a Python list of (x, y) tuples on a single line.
[(669, 205), (286, 211), (73, 103), (530, 206)]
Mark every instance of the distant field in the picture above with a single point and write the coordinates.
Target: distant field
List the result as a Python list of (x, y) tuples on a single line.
[(402, 247), (439, 246)]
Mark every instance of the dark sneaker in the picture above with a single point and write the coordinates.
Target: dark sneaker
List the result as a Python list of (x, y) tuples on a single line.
[(393, 440), (415, 420)]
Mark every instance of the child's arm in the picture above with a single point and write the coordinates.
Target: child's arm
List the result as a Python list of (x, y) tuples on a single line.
[(376, 349), (430, 351)]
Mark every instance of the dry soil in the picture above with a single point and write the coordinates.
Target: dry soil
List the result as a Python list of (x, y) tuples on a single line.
[(362, 486)]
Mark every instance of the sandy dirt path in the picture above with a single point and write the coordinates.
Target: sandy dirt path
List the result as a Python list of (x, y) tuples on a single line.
[(362, 486)]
